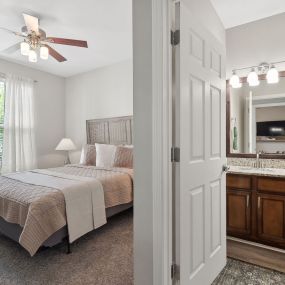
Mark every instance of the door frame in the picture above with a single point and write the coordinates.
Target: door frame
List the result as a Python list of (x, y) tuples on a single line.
[(152, 19), (162, 140)]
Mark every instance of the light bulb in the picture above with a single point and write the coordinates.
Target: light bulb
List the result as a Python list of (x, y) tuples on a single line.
[(252, 78), (25, 48), (44, 53), (235, 81), (272, 75), (33, 57)]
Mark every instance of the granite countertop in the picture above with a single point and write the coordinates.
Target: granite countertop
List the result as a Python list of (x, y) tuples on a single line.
[(247, 170)]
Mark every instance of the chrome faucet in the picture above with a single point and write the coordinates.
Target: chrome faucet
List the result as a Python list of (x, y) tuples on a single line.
[(258, 162)]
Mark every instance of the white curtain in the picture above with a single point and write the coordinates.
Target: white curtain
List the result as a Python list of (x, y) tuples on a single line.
[(19, 151)]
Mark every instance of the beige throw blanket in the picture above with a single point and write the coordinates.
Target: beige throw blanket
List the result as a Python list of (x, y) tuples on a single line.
[(84, 198)]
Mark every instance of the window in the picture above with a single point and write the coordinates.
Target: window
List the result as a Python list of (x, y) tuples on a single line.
[(2, 96)]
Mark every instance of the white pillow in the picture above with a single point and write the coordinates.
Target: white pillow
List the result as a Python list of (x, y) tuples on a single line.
[(105, 155)]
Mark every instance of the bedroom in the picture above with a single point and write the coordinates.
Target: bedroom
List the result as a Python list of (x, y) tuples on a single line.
[(49, 111)]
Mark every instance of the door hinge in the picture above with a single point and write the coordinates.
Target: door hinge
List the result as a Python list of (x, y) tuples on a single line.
[(174, 272), (175, 37), (175, 154)]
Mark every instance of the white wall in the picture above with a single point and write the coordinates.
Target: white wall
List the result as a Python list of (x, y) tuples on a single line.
[(253, 43), (143, 157), (49, 108), (102, 93)]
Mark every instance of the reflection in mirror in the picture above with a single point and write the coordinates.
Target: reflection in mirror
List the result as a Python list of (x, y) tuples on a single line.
[(257, 118)]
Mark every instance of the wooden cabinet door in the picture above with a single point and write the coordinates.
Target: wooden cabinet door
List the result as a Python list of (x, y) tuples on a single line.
[(271, 218), (238, 213)]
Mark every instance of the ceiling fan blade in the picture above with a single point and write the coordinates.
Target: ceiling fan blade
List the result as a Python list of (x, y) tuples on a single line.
[(13, 32), (12, 49), (69, 42), (32, 23), (55, 54)]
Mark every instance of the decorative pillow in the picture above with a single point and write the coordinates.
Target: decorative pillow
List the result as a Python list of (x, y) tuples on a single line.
[(124, 157), (88, 155), (105, 154)]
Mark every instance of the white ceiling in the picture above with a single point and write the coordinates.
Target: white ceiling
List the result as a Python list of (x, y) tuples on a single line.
[(237, 12), (105, 24)]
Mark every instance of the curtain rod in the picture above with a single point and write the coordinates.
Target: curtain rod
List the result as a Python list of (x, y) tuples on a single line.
[(4, 76)]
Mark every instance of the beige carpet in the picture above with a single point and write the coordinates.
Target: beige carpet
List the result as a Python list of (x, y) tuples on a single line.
[(103, 257)]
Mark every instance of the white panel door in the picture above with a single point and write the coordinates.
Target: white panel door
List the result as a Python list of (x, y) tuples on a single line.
[(200, 134)]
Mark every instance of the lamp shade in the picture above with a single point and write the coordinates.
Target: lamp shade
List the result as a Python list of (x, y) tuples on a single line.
[(33, 57), (66, 144)]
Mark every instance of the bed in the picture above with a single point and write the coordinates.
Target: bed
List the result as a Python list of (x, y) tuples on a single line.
[(36, 214)]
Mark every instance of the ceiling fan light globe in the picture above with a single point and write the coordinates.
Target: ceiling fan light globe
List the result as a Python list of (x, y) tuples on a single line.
[(44, 53), (25, 48), (33, 57)]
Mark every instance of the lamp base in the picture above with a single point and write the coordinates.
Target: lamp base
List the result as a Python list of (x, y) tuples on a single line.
[(67, 160)]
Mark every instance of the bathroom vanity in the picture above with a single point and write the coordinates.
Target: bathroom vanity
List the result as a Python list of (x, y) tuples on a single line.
[(256, 205)]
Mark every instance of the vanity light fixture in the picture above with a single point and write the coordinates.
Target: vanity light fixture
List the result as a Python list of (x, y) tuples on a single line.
[(265, 69), (235, 81), (272, 75), (252, 78)]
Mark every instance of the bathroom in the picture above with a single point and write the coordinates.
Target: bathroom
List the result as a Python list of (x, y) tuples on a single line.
[(256, 143)]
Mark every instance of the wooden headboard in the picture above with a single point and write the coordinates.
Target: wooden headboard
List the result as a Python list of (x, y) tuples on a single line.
[(115, 131)]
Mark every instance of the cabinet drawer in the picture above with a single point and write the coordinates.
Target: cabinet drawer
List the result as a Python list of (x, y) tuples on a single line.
[(270, 184), (271, 218), (238, 213), (239, 181)]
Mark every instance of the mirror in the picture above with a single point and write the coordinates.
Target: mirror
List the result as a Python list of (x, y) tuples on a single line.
[(256, 119)]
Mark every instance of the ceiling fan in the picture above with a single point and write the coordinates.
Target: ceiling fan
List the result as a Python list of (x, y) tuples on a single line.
[(35, 39)]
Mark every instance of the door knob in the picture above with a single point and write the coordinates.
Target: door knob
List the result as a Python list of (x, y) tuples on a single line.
[(226, 168)]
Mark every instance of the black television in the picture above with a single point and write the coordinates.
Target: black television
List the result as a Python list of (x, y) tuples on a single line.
[(270, 129)]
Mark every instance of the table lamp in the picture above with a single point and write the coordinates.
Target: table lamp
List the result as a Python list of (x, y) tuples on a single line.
[(66, 144)]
